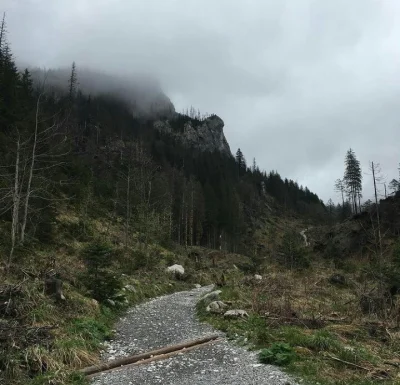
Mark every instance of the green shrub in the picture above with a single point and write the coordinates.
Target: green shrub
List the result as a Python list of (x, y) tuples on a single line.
[(322, 340), (90, 329), (293, 254), (101, 283), (280, 354)]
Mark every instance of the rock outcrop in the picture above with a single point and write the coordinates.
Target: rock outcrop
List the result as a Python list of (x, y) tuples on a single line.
[(205, 135)]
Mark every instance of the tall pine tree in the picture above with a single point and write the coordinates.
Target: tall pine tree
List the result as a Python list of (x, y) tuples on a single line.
[(353, 179)]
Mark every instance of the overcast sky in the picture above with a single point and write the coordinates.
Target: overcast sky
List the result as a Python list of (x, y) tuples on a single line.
[(297, 82)]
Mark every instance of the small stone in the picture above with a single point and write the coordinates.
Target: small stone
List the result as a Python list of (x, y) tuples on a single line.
[(216, 307), (237, 313), (130, 288), (213, 296), (110, 302)]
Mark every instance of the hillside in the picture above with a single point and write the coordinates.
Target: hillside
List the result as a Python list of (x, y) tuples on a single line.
[(104, 185)]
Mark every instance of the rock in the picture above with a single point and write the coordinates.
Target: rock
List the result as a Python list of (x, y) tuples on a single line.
[(236, 314), (302, 351), (53, 287), (197, 286), (206, 135), (177, 270), (258, 277), (213, 296), (95, 304), (216, 307), (130, 288), (337, 279), (110, 302)]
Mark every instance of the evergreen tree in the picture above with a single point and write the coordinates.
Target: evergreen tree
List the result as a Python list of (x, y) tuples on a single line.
[(241, 162), (353, 179), (394, 185), (254, 166), (73, 82)]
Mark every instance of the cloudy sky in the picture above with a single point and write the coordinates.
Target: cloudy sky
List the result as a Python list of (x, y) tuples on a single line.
[(297, 82)]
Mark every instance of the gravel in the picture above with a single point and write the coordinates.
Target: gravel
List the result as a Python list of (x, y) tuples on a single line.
[(171, 320)]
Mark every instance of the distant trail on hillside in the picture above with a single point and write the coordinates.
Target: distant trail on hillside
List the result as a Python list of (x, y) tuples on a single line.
[(169, 320), (303, 234)]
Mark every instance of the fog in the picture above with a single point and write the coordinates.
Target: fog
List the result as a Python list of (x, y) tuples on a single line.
[(296, 82)]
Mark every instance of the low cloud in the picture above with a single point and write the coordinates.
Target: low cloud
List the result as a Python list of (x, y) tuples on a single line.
[(297, 83)]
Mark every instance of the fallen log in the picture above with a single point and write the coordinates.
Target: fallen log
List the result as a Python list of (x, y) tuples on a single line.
[(144, 356), (155, 358)]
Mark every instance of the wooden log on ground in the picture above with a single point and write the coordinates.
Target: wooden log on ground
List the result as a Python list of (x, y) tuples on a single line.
[(143, 356), (156, 358)]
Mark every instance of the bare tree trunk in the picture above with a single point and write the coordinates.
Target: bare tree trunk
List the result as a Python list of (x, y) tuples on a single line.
[(16, 204), (28, 187), (192, 216), (128, 207), (170, 218), (377, 210), (380, 258), (183, 211)]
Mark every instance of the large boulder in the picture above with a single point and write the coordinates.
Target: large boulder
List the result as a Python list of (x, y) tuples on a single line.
[(177, 270)]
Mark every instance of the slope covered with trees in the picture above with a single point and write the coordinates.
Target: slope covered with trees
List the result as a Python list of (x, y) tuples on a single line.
[(91, 192), (80, 147)]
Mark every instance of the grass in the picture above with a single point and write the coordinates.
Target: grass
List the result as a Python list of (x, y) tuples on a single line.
[(80, 323), (307, 351)]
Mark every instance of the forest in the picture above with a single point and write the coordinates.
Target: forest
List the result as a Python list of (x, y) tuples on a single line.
[(101, 192), (60, 145)]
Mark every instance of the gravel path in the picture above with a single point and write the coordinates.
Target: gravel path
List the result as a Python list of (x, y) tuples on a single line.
[(170, 320)]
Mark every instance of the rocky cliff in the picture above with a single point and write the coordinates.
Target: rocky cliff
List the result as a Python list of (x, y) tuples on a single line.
[(207, 135)]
